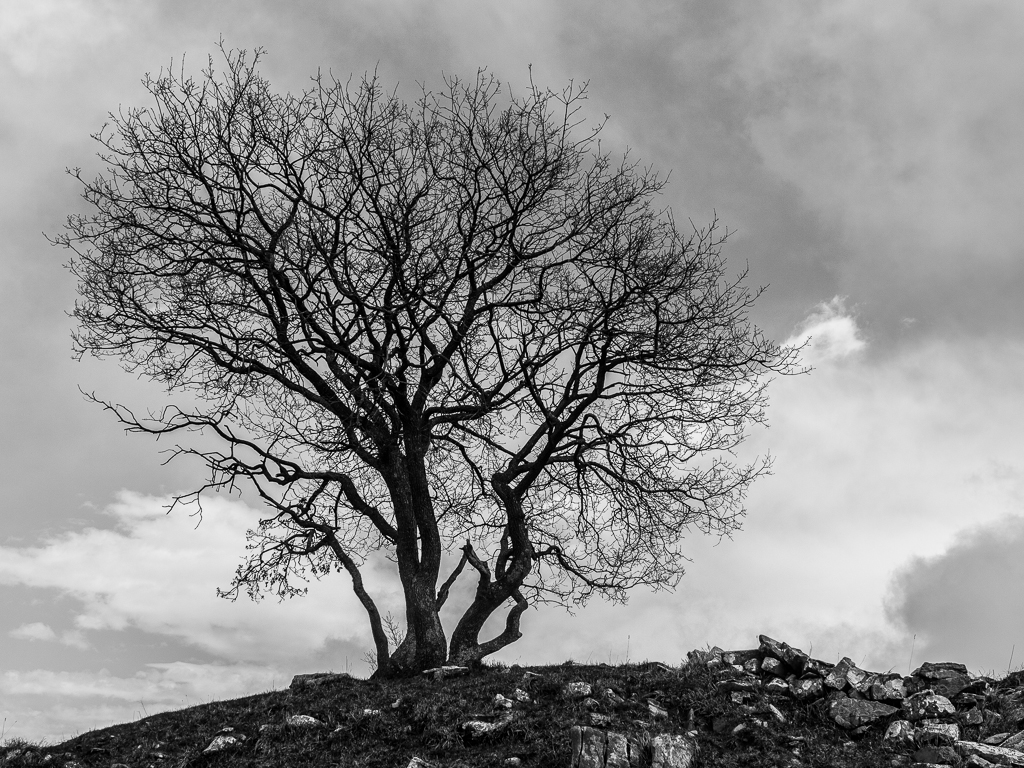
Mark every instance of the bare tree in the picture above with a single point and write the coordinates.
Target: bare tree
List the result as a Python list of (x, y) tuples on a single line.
[(412, 327)]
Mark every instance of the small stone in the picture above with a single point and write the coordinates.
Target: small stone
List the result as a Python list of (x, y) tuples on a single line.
[(576, 690), (478, 728), (440, 673), (501, 702), (972, 717), (996, 739), (744, 684), (521, 696), (772, 666), (599, 720), (859, 679), (900, 733), (371, 712), (220, 743), (806, 690), (852, 713), (752, 666), (418, 762), (927, 704), (794, 658), (612, 697), (657, 711), (978, 762), (776, 685), (937, 734), (304, 721), (936, 755), (738, 697), (888, 688), (512, 762), (835, 678), (775, 712)]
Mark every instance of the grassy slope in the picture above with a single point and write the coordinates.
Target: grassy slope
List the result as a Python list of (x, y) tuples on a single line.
[(426, 724)]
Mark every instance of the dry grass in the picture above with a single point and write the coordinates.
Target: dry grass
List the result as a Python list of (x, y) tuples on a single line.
[(422, 717)]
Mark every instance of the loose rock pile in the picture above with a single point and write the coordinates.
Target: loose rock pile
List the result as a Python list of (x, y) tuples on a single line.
[(929, 713)]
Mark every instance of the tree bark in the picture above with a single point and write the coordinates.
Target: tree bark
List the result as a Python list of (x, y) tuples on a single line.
[(513, 566), (419, 563)]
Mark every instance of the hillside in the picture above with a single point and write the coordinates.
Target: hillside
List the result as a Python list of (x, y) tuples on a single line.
[(769, 706)]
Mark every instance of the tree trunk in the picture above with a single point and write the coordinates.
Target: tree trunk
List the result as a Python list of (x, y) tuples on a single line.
[(419, 561), (513, 566)]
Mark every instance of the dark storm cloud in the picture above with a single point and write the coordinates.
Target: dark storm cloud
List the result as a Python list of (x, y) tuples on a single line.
[(967, 604)]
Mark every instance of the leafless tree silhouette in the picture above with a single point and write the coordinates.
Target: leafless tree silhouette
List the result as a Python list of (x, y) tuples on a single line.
[(419, 327)]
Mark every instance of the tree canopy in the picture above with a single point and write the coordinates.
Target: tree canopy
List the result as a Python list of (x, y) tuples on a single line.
[(456, 324)]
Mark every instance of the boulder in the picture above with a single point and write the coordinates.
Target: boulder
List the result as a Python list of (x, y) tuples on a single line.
[(995, 755), (996, 739), (945, 678), (852, 713), (318, 678), (672, 751), (592, 748), (1016, 741), (941, 670), (618, 752)]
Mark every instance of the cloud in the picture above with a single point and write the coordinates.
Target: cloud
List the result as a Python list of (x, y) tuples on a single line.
[(878, 460), (35, 631), (48, 704), (45, 34), (965, 603), (892, 123), (829, 332), (39, 631), (159, 572)]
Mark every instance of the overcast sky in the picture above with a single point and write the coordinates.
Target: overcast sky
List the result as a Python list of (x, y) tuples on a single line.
[(868, 156)]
